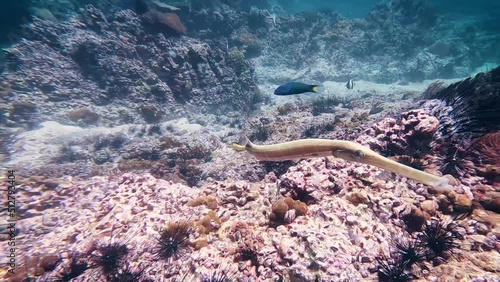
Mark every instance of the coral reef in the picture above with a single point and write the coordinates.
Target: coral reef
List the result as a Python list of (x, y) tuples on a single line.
[(417, 35), (334, 48), (411, 137), (126, 68), (117, 118), (356, 206)]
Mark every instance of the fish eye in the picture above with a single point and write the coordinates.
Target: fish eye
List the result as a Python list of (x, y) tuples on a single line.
[(359, 154)]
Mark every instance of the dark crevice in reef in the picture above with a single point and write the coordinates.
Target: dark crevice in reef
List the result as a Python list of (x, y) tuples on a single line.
[(12, 15)]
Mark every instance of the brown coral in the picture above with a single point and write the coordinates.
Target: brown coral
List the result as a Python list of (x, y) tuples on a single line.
[(209, 201), (285, 210), (209, 223)]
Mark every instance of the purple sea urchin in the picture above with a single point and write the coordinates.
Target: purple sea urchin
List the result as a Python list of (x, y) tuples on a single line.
[(452, 162), (126, 274)]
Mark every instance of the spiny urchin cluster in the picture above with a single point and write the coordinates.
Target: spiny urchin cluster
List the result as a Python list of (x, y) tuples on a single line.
[(435, 243), (466, 110), (108, 261)]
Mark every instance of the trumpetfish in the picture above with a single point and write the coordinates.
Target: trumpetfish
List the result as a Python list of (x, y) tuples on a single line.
[(347, 150)]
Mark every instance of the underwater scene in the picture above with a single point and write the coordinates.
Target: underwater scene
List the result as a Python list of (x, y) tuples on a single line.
[(250, 140)]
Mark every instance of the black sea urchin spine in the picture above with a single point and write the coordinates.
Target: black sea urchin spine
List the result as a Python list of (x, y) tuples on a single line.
[(393, 270), (173, 239), (438, 238), (109, 258)]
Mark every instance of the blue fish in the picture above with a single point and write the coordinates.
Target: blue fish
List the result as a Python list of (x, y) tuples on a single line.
[(293, 87)]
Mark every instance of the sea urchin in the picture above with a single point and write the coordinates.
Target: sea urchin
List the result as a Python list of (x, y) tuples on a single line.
[(438, 237), (172, 239), (410, 252), (393, 270), (109, 257)]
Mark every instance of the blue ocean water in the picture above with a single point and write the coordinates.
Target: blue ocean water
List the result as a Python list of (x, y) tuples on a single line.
[(249, 140)]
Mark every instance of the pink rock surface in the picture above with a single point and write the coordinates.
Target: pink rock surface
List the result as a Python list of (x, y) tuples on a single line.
[(354, 213)]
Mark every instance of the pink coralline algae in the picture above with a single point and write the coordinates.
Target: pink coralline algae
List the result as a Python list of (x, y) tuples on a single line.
[(352, 212), (419, 123), (311, 179), (414, 132)]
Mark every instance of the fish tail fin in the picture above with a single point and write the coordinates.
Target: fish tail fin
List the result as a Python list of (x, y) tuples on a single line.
[(238, 147), (242, 147), (318, 88)]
